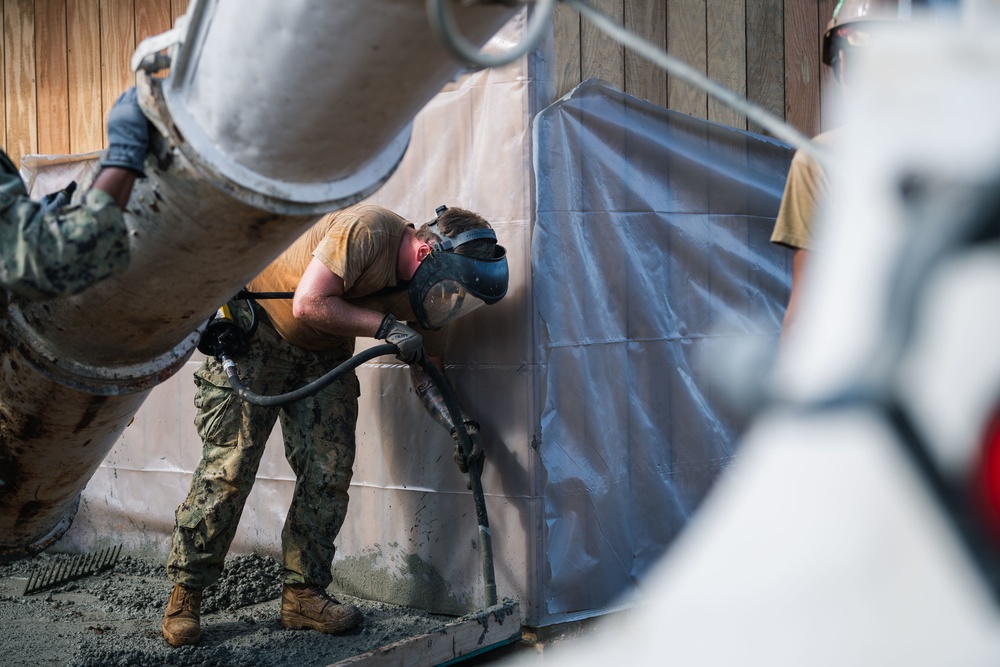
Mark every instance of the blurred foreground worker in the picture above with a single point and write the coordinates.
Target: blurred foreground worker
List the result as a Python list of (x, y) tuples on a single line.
[(50, 249), (358, 272), (808, 190)]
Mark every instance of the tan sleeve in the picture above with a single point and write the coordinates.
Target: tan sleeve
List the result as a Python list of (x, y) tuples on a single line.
[(332, 250), (806, 191), (360, 246)]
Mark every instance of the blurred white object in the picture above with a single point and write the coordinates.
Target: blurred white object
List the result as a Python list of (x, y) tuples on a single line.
[(828, 541)]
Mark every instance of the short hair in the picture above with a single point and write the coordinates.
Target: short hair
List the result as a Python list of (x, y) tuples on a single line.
[(453, 222)]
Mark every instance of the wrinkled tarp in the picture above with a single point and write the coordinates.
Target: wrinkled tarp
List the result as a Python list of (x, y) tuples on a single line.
[(650, 252), (601, 430), (410, 537)]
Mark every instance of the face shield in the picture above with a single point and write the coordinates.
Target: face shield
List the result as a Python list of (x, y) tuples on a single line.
[(448, 285)]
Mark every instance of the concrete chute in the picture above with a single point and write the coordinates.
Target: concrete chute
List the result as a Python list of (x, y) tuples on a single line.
[(272, 114)]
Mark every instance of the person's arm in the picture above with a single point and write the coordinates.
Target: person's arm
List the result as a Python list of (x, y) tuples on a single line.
[(47, 254), (319, 302), (799, 260), (128, 143), (117, 182), (49, 248)]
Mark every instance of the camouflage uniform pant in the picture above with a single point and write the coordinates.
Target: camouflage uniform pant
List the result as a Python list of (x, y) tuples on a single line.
[(319, 439)]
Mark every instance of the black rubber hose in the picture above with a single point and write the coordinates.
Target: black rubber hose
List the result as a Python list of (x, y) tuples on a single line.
[(454, 409), (229, 366), (244, 295), (485, 540)]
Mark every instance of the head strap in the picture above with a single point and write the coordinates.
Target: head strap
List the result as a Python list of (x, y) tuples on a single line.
[(447, 243)]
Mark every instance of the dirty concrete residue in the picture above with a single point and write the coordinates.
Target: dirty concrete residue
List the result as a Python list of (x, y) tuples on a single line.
[(8, 466), (405, 579), (93, 409), (112, 619)]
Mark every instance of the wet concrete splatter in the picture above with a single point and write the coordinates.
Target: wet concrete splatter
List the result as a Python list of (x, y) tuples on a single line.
[(403, 577)]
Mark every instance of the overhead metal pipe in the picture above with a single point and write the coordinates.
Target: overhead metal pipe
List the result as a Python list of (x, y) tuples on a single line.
[(272, 114)]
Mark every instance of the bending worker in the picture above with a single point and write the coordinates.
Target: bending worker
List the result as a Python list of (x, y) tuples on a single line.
[(357, 272), (49, 249)]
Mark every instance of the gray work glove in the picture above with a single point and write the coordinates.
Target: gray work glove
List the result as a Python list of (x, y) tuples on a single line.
[(477, 455), (409, 343), (128, 134)]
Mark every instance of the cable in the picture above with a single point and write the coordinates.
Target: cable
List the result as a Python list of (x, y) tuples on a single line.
[(443, 25), (229, 366), (446, 29), (688, 74), (454, 409), (246, 295)]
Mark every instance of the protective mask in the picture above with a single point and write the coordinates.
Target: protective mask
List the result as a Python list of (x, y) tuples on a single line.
[(448, 285)]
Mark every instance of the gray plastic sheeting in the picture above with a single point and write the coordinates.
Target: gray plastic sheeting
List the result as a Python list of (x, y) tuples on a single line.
[(650, 254)]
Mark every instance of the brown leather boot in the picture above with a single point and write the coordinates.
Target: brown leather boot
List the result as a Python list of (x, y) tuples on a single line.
[(182, 621), (306, 606)]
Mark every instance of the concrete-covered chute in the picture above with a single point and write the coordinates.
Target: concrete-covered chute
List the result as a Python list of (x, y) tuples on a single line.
[(271, 114)]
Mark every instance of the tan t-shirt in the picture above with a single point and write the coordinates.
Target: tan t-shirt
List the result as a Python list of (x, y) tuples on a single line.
[(807, 190), (360, 244)]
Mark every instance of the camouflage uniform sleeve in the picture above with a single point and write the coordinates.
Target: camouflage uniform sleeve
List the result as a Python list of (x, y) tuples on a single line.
[(44, 254)]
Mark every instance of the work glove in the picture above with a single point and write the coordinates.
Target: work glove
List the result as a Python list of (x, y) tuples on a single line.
[(477, 455), (56, 200), (409, 343), (128, 134)]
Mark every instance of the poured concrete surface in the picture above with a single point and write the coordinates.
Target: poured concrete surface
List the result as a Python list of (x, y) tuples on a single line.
[(113, 619)]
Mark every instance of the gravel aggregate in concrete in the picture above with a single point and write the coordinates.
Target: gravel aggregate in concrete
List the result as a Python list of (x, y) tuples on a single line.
[(112, 619)]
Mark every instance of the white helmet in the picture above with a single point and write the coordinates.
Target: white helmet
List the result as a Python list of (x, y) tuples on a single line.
[(855, 11)]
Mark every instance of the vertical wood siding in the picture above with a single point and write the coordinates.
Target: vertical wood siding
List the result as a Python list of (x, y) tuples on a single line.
[(117, 22), (52, 69), (64, 64), (727, 56), (84, 64), (687, 39), (19, 75), (648, 19), (3, 89), (601, 56), (829, 90), (766, 57), (802, 65), (765, 50)]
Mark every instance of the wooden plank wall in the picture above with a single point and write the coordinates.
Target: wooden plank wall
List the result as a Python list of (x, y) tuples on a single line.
[(64, 64), (765, 50)]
